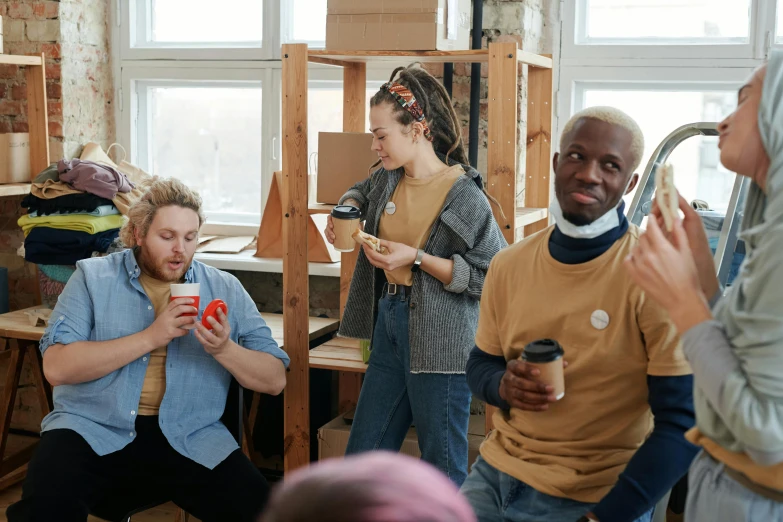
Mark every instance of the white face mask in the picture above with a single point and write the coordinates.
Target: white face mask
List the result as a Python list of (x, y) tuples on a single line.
[(602, 225)]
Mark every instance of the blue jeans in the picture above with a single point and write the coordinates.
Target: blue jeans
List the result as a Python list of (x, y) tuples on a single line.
[(392, 397), (497, 497), (713, 496)]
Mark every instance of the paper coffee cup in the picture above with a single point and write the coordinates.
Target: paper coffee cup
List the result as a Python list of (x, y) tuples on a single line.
[(345, 219), (186, 290), (547, 356)]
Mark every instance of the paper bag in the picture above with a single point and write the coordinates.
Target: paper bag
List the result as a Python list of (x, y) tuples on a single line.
[(15, 158), (270, 234)]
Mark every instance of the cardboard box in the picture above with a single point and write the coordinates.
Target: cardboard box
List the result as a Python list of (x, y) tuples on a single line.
[(382, 6), (15, 158), (333, 439), (408, 25), (344, 159)]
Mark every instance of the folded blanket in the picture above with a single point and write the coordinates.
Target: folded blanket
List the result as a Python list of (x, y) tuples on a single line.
[(103, 210), (51, 246), (76, 222), (81, 202), (88, 176)]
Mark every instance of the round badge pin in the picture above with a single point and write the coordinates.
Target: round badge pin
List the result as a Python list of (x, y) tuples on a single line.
[(391, 208), (599, 319), (211, 311)]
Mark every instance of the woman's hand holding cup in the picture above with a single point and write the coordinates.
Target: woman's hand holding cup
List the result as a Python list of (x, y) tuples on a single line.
[(329, 230)]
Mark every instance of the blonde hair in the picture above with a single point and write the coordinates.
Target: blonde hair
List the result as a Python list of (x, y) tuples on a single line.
[(159, 193), (612, 116)]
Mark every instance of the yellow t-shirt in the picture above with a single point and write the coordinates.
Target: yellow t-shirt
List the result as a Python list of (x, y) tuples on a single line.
[(417, 203), (577, 448), (154, 386), (767, 476)]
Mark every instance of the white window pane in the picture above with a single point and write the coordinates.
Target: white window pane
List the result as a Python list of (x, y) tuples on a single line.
[(309, 19), (232, 21), (210, 138), (697, 169), (667, 20), (779, 26)]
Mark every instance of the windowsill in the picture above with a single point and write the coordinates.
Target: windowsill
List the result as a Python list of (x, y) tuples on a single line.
[(245, 261)]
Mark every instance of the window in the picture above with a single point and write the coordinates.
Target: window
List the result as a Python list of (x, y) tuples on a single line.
[(656, 22), (208, 137), (666, 64), (199, 93), (779, 23), (201, 22)]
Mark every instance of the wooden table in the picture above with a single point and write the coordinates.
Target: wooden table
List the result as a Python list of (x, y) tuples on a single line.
[(18, 339)]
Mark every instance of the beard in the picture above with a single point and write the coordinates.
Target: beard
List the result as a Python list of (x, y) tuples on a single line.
[(159, 269), (578, 220)]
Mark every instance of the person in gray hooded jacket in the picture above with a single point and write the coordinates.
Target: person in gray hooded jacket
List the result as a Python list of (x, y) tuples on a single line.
[(418, 301), (734, 343)]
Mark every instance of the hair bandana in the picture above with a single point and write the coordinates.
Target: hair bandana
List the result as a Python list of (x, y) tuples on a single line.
[(407, 100)]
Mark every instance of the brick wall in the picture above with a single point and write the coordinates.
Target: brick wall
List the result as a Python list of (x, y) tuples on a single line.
[(74, 35), (532, 25)]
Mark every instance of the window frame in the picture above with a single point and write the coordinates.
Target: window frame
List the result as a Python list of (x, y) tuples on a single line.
[(656, 66), (572, 26)]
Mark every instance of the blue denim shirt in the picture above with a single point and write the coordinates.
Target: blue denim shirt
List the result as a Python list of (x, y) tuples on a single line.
[(104, 300)]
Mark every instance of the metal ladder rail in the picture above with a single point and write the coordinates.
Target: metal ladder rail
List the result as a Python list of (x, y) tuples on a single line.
[(642, 201)]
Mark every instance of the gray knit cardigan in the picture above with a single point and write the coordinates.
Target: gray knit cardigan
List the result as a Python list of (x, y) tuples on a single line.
[(443, 318)]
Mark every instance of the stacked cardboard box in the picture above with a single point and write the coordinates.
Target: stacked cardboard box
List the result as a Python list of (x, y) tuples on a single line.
[(398, 25)]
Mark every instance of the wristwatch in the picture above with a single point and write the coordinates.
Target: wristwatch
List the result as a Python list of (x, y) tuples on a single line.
[(417, 264)]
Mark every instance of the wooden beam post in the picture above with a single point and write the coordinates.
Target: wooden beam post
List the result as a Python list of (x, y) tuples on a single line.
[(296, 452), (502, 138), (539, 143), (502, 133), (354, 116), (37, 117)]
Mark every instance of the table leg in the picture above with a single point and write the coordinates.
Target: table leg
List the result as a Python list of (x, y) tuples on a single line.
[(8, 398)]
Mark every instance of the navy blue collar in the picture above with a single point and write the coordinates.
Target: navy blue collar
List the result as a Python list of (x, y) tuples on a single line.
[(572, 251)]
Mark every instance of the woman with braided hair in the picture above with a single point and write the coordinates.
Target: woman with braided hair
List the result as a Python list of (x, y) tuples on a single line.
[(418, 301)]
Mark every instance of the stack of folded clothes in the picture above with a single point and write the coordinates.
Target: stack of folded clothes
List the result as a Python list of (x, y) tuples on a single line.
[(74, 209)]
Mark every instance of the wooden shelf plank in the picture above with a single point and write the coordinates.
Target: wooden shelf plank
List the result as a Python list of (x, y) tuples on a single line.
[(10, 59), (340, 58), (330, 57), (534, 60), (14, 189), (339, 354), (320, 208), (527, 216)]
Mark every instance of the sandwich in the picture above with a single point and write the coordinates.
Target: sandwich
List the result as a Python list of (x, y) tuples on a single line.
[(666, 195), (373, 242)]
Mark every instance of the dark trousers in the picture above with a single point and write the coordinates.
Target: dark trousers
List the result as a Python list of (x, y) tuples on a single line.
[(66, 479)]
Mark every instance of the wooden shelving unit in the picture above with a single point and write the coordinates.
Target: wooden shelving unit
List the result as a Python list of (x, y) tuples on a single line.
[(37, 117), (343, 355)]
